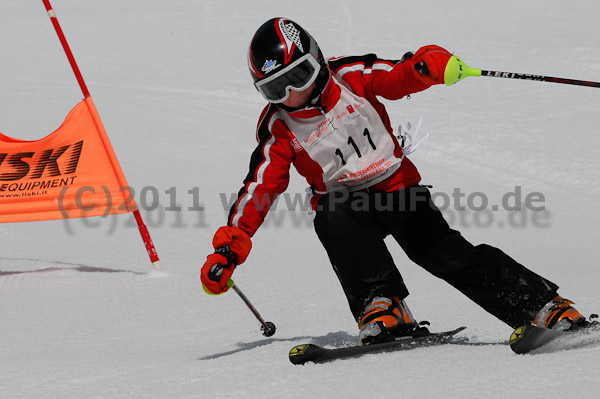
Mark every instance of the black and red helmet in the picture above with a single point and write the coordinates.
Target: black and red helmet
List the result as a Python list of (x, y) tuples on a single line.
[(283, 56)]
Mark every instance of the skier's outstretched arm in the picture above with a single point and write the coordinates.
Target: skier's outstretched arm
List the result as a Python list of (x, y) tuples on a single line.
[(414, 73)]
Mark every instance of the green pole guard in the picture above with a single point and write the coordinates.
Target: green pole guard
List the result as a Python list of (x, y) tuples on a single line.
[(457, 70), (230, 284)]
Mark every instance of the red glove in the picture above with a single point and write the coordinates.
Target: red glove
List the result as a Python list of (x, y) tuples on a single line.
[(232, 246), (429, 64), (238, 241), (215, 274)]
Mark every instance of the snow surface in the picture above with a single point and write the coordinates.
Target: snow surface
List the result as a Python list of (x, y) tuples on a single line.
[(84, 315)]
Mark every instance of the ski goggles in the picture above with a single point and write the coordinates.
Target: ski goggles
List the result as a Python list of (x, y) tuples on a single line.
[(298, 75)]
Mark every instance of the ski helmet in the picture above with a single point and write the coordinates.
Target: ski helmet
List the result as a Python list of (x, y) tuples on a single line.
[(283, 56)]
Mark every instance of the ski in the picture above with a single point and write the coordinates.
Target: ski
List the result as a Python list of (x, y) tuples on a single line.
[(529, 337), (302, 354)]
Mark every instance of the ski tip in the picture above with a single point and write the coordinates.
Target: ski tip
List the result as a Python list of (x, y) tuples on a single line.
[(530, 337), (301, 354), (517, 335), (519, 339)]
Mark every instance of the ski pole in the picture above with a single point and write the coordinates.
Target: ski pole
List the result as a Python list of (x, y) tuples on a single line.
[(457, 70), (268, 328)]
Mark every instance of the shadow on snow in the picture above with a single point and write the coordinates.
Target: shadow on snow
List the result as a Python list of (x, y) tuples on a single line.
[(61, 266)]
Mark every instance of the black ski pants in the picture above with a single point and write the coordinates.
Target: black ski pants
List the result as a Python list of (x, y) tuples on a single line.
[(352, 227)]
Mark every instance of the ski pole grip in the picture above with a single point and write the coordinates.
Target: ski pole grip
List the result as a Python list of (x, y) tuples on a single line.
[(228, 254), (456, 70), (230, 284), (216, 270)]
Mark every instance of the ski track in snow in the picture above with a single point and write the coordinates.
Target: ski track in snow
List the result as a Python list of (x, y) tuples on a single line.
[(85, 316)]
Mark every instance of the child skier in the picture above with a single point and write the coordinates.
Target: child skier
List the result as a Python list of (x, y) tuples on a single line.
[(325, 119)]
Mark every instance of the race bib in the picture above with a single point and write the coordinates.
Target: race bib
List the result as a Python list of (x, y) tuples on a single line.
[(350, 143)]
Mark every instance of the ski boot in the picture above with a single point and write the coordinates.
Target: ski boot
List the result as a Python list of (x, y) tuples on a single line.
[(558, 314), (384, 319), (556, 319)]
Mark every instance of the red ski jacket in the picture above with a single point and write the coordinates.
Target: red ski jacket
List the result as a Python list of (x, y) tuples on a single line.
[(345, 142)]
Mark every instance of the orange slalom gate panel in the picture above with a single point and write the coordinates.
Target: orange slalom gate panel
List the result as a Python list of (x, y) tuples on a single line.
[(72, 172)]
